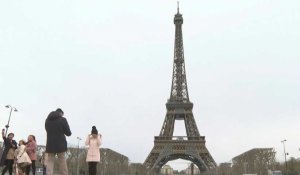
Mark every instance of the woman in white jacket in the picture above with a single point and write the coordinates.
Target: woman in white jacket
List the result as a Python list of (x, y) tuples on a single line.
[(22, 157), (93, 141)]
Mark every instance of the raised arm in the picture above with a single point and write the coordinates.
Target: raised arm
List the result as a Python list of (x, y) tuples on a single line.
[(67, 130), (14, 144), (31, 147), (2, 133), (99, 140), (87, 140)]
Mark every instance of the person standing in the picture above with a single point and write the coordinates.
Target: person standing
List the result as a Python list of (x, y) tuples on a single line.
[(43, 161), (93, 141), (7, 158), (22, 158), (57, 129), (31, 148)]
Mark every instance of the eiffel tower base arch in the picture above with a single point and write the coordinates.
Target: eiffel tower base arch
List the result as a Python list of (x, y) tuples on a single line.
[(170, 148)]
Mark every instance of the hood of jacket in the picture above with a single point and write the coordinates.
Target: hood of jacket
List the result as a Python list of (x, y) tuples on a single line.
[(53, 115)]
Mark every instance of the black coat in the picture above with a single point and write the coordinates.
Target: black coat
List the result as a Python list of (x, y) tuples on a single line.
[(7, 145), (57, 129)]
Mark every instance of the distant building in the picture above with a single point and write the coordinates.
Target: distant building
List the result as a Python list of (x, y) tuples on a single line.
[(166, 169), (225, 169), (192, 169)]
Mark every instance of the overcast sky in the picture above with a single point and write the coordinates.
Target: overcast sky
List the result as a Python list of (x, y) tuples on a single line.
[(109, 64)]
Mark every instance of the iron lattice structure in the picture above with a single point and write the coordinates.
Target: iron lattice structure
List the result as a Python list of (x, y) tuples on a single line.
[(192, 146)]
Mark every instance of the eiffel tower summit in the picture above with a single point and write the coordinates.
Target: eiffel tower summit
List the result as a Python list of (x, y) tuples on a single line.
[(168, 147)]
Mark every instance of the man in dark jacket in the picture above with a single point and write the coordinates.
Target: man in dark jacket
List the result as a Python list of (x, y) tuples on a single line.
[(57, 129)]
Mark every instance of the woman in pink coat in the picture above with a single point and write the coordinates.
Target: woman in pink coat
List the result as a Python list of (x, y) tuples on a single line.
[(31, 149), (93, 141)]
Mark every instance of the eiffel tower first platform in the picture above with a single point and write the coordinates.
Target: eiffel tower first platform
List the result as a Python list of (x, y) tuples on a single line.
[(166, 146)]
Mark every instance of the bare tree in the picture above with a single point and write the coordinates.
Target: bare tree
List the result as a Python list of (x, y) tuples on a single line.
[(256, 161)]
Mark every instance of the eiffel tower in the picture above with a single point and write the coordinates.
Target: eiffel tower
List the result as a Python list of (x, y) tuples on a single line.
[(166, 146)]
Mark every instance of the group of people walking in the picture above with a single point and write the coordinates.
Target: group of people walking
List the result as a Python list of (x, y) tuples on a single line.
[(57, 128), (22, 155)]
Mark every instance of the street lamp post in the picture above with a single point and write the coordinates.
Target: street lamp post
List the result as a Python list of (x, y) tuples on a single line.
[(283, 142), (77, 162), (11, 109)]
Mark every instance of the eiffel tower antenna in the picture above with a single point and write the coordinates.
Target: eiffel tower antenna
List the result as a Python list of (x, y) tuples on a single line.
[(179, 90)]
